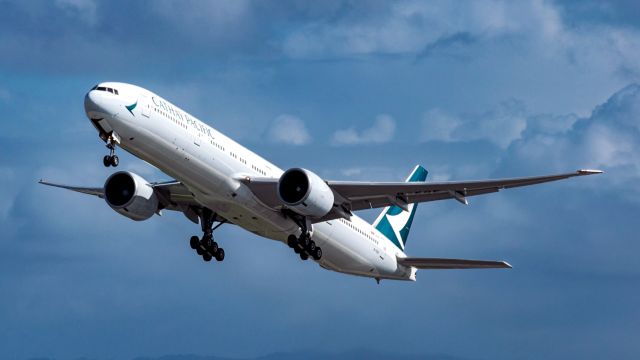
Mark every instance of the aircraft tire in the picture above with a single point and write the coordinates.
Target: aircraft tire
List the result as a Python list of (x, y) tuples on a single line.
[(304, 256), (311, 247), (219, 254), (194, 242), (317, 253), (304, 240), (106, 161), (292, 240), (206, 257), (115, 160)]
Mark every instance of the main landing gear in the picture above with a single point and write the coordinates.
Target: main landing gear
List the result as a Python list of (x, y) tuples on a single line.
[(207, 247), (111, 159), (303, 245)]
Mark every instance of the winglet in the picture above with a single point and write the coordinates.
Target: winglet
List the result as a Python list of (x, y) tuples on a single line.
[(589, 172)]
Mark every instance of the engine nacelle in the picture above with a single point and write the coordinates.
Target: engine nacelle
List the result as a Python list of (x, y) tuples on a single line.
[(305, 193), (130, 195)]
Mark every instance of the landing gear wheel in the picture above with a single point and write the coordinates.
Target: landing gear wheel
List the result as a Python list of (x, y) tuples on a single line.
[(194, 242), (206, 246), (106, 161), (220, 254), (312, 247), (115, 160), (304, 256), (296, 250), (292, 241), (317, 253), (304, 240)]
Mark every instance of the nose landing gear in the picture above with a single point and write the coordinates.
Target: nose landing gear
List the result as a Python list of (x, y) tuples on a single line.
[(111, 159)]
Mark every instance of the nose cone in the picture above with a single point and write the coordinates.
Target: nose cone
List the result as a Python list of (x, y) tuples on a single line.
[(97, 104)]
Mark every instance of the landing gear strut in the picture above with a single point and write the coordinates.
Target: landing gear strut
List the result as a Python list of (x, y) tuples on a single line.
[(303, 244), (111, 159), (207, 247)]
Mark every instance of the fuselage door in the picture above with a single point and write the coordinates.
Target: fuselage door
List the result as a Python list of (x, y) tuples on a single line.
[(195, 133), (145, 105)]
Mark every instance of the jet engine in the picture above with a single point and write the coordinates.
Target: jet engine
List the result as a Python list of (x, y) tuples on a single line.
[(305, 193), (130, 195)]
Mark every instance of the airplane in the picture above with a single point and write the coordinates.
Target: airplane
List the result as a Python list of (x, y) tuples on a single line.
[(218, 181)]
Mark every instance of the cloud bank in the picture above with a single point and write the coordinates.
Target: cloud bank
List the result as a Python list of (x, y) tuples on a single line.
[(288, 129), (381, 131)]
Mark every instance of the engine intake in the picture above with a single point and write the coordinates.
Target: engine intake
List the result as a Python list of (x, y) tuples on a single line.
[(305, 193), (130, 195)]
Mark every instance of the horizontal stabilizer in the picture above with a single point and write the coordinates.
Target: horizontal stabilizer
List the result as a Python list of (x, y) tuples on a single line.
[(436, 263)]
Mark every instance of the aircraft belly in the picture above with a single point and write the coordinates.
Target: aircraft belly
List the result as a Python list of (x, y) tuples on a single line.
[(209, 178), (340, 253)]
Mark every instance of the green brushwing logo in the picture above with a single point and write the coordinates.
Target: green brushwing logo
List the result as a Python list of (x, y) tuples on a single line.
[(395, 223), (131, 107)]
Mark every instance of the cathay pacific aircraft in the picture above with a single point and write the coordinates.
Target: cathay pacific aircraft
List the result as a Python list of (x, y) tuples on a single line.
[(218, 181)]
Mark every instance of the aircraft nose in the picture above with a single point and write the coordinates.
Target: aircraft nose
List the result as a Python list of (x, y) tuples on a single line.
[(94, 104)]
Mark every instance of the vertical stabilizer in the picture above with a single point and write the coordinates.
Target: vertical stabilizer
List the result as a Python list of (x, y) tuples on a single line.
[(395, 223)]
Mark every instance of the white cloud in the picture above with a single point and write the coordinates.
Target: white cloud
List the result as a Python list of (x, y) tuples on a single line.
[(608, 139), (409, 26), (534, 28), (382, 131), (501, 125), (439, 125), (288, 129)]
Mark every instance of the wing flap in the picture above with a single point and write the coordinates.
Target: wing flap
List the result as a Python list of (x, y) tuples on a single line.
[(438, 263), (264, 189)]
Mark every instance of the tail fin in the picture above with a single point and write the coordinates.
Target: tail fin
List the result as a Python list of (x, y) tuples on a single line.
[(395, 223)]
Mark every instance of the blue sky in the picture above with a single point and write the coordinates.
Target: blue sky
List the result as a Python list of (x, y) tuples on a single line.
[(363, 90)]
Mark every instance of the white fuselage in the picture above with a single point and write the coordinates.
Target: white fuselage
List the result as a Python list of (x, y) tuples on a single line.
[(209, 164)]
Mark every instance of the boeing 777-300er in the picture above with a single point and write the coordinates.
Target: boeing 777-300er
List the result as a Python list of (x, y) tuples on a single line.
[(219, 181)]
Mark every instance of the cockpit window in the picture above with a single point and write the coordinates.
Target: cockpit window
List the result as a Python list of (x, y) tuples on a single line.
[(104, 88)]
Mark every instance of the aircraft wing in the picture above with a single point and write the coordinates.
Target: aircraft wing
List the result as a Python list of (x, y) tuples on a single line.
[(173, 195), (356, 195), (438, 264), (365, 195), (99, 192)]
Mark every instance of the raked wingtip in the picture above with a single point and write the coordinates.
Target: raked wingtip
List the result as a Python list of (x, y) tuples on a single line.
[(589, 172)]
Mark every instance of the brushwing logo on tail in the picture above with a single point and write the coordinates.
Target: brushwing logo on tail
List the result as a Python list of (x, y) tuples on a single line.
[(400, 223), (395, 223)]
